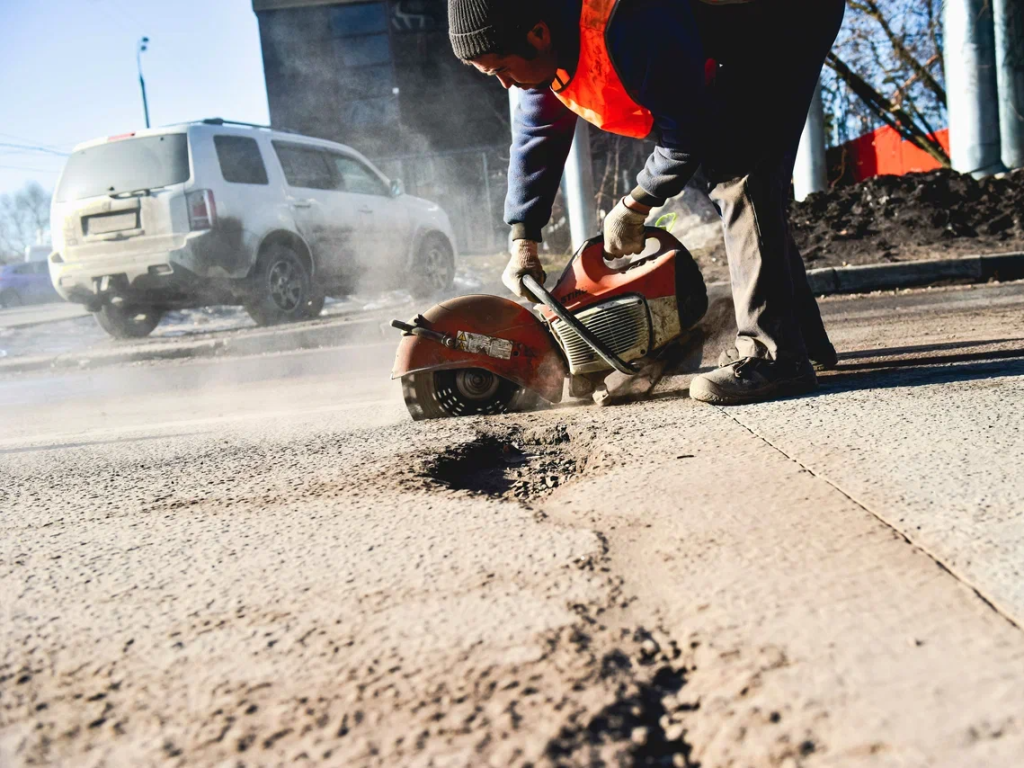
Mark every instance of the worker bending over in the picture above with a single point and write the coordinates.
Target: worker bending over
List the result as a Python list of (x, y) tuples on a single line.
[(722, 84)]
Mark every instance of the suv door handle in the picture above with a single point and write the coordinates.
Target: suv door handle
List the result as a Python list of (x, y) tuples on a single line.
[(366, 210), (302, 203)]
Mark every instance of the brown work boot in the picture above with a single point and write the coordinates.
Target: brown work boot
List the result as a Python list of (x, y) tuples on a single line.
[(752, 380), (823, 359)]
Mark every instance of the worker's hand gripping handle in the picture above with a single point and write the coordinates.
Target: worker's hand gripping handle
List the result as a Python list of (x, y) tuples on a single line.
[(666, 242)]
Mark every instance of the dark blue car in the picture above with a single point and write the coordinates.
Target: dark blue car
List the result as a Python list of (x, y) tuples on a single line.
[(26, 283)]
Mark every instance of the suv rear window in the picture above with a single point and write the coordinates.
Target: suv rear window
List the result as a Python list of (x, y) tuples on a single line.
[(127, 165), (240, 160)]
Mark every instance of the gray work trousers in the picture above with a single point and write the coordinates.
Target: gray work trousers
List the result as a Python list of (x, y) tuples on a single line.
[(769, 55)]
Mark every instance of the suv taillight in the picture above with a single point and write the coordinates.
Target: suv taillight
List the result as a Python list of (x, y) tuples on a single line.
[(202, 210)]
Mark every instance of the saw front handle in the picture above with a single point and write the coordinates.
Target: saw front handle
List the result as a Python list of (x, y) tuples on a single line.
[(581, 330)]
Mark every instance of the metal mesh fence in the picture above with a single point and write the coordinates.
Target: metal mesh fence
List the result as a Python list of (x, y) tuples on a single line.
[(469, 185)]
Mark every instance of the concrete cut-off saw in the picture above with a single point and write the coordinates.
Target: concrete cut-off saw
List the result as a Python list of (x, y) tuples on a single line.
[(485, 354)]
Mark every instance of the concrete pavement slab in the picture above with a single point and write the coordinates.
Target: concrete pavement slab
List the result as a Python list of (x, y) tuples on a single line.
[(935, 450), (817, 635)]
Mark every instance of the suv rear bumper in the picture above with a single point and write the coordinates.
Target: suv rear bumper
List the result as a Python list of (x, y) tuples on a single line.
[(202, 271)]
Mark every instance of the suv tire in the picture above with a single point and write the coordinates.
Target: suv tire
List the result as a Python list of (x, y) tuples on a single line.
[(281, 289), (128, 321), (433, 269)]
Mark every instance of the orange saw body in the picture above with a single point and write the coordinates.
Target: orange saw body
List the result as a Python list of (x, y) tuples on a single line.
[(485, 354)]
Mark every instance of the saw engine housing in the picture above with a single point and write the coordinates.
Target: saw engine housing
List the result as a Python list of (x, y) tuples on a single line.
[(635, 306)]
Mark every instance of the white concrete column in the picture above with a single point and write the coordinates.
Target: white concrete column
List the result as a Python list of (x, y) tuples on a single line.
[(577, 181), (578, 187), (1009, 39), (513, 102), (969, 53), (810, 174)]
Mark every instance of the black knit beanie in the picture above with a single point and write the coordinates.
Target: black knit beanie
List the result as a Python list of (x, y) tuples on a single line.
[(479, 27)]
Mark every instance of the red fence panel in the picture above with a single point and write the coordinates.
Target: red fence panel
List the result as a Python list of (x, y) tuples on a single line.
[(880, 153)]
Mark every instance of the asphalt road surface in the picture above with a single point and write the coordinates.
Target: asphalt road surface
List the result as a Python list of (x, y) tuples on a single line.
[(37, 314), (262, 561)]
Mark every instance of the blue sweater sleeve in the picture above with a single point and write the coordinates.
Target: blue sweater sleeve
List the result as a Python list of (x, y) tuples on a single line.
[(656, 48), (542, 134)]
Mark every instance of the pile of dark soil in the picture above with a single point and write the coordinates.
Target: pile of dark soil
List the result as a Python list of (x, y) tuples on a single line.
[(900, 218)]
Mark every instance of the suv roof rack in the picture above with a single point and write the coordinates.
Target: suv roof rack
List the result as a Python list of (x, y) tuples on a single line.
[(222, 121)]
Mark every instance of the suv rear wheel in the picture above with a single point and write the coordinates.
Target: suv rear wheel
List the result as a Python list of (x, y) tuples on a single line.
[(434, 267), (281, 289), (128, 321)]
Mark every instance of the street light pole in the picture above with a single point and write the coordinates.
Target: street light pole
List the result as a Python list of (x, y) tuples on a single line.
[(142, 48)]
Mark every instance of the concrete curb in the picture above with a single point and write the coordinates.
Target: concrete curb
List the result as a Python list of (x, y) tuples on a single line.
[(880, 277), (269, 341)]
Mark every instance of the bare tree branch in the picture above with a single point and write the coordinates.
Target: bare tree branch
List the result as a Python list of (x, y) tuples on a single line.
[(871, 8), (24, 217), (884, 109)]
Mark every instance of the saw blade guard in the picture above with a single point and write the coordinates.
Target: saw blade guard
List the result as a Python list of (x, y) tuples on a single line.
[(491, 333)]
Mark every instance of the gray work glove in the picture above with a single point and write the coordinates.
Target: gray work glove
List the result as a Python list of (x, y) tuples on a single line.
[(524, 261), (624, 231)]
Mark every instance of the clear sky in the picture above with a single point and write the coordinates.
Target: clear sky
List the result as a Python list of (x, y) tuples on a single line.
[(68, 74)]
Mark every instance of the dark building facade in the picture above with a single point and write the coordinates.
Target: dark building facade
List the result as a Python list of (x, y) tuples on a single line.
[(378, 76)]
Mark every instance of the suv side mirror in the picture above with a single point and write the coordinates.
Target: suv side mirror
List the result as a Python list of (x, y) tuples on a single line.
[(397, 188)]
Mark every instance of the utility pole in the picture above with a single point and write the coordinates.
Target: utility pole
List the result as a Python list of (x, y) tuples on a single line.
[(1009, 25), (513, 104), (972, 93), (810, 173), (143, 46), (578, 187), (578, 181)]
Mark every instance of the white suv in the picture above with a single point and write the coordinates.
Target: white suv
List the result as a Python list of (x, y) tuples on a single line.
[(214, 212)]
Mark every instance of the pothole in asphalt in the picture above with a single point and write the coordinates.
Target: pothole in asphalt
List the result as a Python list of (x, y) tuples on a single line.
[(509, 464)]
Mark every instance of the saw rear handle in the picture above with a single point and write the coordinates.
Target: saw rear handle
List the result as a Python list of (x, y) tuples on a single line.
[(415, 329)]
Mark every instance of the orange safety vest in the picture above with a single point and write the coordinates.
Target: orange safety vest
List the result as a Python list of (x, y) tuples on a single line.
[(596, 92)]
